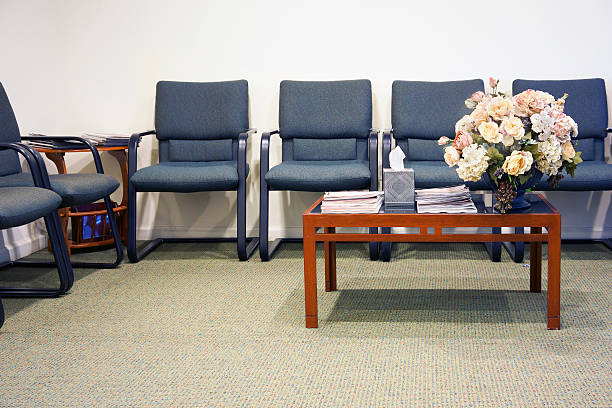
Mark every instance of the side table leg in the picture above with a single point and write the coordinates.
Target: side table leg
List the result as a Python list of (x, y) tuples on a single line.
[(310, 277), (535, 263), (554, 272), (330, 262)]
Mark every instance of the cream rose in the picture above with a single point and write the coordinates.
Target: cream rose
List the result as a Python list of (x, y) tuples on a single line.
[(451, 156), (479, 115), (499, 108), (518, 163), (513, 127), (567, 151), (490, 132)]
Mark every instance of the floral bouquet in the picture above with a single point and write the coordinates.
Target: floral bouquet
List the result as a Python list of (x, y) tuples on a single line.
[(513, 141)]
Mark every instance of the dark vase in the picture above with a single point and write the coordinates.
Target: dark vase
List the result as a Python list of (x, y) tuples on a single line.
[(519, 203)]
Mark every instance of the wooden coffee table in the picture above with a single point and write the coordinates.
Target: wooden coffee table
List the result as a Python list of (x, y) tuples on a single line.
[(319, 227)]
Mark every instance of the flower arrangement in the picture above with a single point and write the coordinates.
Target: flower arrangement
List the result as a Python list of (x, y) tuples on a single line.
[(513, 139)]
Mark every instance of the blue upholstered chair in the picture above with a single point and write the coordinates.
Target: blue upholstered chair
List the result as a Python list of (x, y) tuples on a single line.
[(328, 144), (22, 205), (74, 189), (422, 112), (587, 104), (202, 129)]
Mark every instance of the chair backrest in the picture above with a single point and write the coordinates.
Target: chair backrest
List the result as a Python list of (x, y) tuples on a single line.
[(586, 103), (422, 112), (200, 121), (325, 120), (9, 133)]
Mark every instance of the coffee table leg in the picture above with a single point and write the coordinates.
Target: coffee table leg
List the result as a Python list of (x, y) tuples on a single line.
[(330, 262), (535, 263), (310, 277), (554, 272)]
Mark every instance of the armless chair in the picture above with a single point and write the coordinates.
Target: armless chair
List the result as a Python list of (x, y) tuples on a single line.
[(74, 189), (328, 144), (202, 129), (22, 205), (422, 112), (587, 104)]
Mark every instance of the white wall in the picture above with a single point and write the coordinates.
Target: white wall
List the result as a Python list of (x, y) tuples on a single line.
[(72, 66)]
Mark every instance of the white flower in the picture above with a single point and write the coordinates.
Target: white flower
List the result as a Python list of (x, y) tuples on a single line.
[(473, 163), (549, 168), (451, 156), (551, 149), (464, 125), (490, 132), (518, 163), (543, 124), (567, 151), (513, 127), (500, 108)]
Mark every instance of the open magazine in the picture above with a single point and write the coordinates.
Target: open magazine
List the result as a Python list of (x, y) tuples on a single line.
[(453, 199)]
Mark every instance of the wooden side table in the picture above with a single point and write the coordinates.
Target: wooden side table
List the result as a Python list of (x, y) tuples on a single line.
[(56, 155), (541, 215)]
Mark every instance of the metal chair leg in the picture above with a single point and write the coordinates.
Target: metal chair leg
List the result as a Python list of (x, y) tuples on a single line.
[(385, 247), (1, 313), (264, 196), (64, 268), (374, 246)]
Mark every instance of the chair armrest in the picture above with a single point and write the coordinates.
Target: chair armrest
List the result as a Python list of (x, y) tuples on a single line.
[(373, 157), (386, 149), (87, 143), (264, 153), (35, 162), (133, 151), (242, 147)]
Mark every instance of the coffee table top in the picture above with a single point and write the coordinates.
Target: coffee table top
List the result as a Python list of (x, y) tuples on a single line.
[(539, 205)]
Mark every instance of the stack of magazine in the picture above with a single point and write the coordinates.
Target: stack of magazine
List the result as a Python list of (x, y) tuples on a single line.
[(352, 202), (455, 199), (97, 139)]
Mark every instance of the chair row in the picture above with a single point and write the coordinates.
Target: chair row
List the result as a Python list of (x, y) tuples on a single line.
[(327, 142)]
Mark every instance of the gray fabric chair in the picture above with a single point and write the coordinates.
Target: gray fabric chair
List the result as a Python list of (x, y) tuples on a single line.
[(328, 144), (422, 112), (74, 189), (22, 205), (202, 129), (587, 104)]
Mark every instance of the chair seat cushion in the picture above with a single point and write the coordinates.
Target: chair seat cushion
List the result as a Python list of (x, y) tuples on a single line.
[(589, 176), (319, 175), (430, 174), (21, 205), (188, 177), (74, 188)]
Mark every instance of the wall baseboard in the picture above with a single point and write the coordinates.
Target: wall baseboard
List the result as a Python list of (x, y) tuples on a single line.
[(16, 249)]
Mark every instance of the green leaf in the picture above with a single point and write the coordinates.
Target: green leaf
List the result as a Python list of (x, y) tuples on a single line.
[(494, 155), (577, 159), (523, 178), (492, 174), (476, 138)]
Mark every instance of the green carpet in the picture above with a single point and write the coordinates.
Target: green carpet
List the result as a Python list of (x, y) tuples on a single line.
[(192, 326)]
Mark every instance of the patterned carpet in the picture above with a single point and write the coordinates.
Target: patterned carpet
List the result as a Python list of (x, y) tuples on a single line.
[(192, 326)]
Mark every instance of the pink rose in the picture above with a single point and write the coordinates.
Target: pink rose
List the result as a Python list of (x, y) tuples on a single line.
[(493, 82), (477, 96), (462, 140)]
